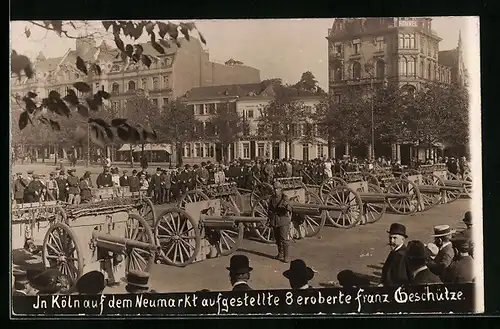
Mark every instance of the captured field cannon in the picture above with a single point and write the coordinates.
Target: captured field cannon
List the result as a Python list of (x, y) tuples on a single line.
[(454, 186), (30, 222), (107, 235), (198, 231)]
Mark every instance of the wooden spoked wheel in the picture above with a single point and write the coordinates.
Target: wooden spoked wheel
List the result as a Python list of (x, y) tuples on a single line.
[(468, 184), (228, 240), (314, 223), (192, 196), (62, 251), (409, 172), (374, 211), (430, 200), (453, 195), (138, 259), (178, 236), (371, 179), (349, 206), (408, 204), (329, 184), (146, 210), (262, 230), (260, 191)]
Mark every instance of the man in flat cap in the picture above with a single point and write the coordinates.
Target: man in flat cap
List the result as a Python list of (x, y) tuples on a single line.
[(461, 269), (417, 254), (395, 271), (442, 235), (239, 272), (280, 219)]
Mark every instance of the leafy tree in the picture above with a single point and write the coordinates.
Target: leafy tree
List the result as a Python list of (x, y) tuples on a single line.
[(162, 34), (309, 83), (228, 125), (176, 124), (280, 120)]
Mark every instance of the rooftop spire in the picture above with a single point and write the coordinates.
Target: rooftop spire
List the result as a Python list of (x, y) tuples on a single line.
[(459, 45)]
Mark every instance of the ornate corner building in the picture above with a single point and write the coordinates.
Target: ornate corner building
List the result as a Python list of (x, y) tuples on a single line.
[(403, 51)]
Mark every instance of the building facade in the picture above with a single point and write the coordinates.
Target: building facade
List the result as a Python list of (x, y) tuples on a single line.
[(169, 76), (371, 52), (248, 100)]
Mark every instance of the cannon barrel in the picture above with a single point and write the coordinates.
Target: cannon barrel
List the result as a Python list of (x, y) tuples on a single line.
[(299, 207), (108, 240), (232, 219)]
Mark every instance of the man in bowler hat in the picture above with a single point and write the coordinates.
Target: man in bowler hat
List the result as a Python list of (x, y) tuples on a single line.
[(137, 282), (461, 269), (239, 272), (280, 219), (442, 235), (299, 274), (91, 283), (395, 271), (467, 233), (417, 257)]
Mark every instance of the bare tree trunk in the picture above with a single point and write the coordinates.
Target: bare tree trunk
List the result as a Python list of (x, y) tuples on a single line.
[(131, 156)]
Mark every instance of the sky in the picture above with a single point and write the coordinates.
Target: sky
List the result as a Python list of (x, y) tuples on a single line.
[(279, 48)]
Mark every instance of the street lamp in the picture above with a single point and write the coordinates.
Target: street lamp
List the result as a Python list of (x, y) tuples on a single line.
[(369, 67)]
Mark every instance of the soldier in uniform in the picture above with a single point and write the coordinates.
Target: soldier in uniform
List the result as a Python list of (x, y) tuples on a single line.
[(461, 269), (137, 282), (62, 184), (104, 179), (52, 188), (299, 274), (34, 190), (30, 175), (280, 218), (73, 187), (239, 272), (166, 185), (19, 186)]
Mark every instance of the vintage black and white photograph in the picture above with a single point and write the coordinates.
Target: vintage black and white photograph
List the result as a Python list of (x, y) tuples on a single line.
[(329, 165)]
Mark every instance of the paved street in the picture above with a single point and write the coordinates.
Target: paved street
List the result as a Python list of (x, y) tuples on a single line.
[(361, 249)]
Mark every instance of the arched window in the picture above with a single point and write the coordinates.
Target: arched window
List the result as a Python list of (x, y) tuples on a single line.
[(380, 68), (410, 71), (412, 41), (337, 69), (115, 88), (402, 66), (144, 83), (401, 41), (131, 85), (155, 83), (356, 70), (407, 41)]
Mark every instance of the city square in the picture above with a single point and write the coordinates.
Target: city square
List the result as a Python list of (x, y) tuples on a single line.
[(142, 164)]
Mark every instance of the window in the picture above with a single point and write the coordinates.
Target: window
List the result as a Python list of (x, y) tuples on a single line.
[(155, 101), (155, 83), (131, 86), (206, 150), (166, 83), (165, 101), (380, 69), (144, 83), (338, 49), (429, 70), (320, 151), (211, 109), (337, 70), (250, 114), (411, 67), (380, 44), (422, 67), (115, 88), (406, 41), (116, 105), (401, 41), (188, 150), (356, 70), (261, 150), (305, 152), (402, 66), (412, 41), (197, 150), (357, 48), (336, 98), (422, 44), (246, 151)]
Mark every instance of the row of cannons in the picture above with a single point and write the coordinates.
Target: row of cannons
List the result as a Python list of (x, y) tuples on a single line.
[(121, 231)]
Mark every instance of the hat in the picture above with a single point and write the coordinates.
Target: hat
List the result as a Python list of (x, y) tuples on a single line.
[(138, 280), (61, 172), (299, 270), (432, 249), (187, 166), (91, 283), (52, 174), (20, 276), (416, 250), (125, 171), (19, 173), (196, 166), (467, 218), (348, 278), (134, 171), (461, 243), (239, 264), (442, 230), (397, 228), (277, 185), (87, 174), (158, 169), (71, 170), (47, 281), (30, 172)]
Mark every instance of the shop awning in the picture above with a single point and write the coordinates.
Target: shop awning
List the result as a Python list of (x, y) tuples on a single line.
[(147, 147), (125, 148)]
